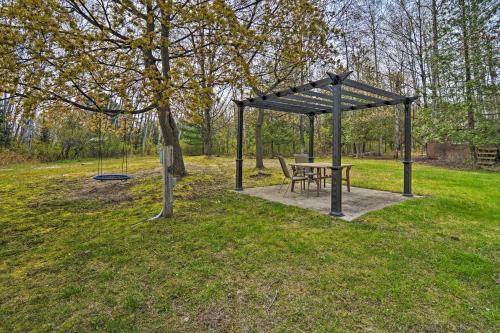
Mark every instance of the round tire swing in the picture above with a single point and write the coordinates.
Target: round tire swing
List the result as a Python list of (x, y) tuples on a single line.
[(123, 176)]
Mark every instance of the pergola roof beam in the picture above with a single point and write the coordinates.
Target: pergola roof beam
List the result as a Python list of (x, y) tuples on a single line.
[(360, 96), (377, 104), (331, 79), (284, 108), (344, 100), (356, 95), (368, 88), (351, 101), (319, 95), (292, 103), (286, 92), (306, 99), (326, 109), (319, 103)]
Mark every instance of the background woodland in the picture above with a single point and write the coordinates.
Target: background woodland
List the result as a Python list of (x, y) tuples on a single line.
[(138, 74)]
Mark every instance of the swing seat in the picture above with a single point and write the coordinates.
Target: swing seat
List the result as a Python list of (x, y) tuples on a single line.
[(112, 176)]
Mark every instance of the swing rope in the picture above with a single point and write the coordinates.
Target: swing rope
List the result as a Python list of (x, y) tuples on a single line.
[(99, 160), (125, 148), (123, 176)]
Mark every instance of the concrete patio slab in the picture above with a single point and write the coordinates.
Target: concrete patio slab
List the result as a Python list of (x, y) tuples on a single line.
[(354, 204)]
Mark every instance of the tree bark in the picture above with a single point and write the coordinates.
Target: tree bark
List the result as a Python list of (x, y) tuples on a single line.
[(170, 134), (397, 132), (421, 56), (373, 30), (206, 133), (358, 149), (379, 148), (468, 80), (259, 148), (206, 126), (5, 134), (145, 133), (301, 134), (434, 59), (168, 126)]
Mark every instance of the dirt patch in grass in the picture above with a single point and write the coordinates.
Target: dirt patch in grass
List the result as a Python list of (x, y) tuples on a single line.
[(110, 191), (215, 319), (198, 183), (439, 163), (260, 175), (146, 173), (107, 191)]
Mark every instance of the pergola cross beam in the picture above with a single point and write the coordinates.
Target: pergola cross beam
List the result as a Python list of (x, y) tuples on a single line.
[(380, 103), (306, 106), (367, 88), (294, 90), (285, 108), (320, 102)]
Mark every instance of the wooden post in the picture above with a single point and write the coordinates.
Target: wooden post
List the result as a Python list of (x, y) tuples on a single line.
[(168, 181), (336, 190), (407, 157), (311, 137)]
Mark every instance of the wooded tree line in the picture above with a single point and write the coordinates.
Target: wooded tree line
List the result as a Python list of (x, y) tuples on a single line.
[(75, 71)]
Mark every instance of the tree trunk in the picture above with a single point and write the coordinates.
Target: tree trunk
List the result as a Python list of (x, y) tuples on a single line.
[(373, 29), (346, 50), (468, 81), (318, 134), (259, 149), (434, 59), (379, 150), (168, 126), (397, 132), (158, 138), (206, 133), (145, 133), (358, 149), (170, 134), (5, 134), (422, 46), (301, 134)]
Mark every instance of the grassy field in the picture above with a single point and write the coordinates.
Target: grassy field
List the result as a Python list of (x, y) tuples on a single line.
[(76, 255)]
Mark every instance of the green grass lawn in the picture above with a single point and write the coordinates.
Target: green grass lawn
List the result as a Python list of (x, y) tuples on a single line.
[(78, 255)]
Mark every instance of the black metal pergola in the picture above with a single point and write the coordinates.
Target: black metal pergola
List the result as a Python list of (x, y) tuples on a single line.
[(333, 94)]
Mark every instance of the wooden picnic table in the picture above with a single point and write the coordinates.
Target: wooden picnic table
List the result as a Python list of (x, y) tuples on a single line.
[(321, 174)]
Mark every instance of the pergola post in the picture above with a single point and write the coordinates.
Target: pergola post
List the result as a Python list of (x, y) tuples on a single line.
[(239, 150), (407, 157), (311, 137), (336, 190)]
